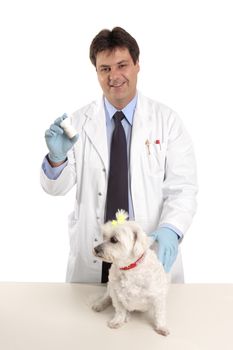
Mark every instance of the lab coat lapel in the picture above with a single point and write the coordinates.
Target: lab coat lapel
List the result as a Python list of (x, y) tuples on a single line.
[(141, 125), (139, 132), (95, 128)]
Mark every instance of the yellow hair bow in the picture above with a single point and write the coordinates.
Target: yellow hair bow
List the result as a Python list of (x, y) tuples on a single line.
[(121, 217)]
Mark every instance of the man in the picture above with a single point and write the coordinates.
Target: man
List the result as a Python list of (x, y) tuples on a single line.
[(154, 151)]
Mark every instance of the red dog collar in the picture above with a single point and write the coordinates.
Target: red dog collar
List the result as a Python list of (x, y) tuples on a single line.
[(131, 266)]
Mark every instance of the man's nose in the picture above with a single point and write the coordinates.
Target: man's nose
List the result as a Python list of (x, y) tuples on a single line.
[(113, 74)]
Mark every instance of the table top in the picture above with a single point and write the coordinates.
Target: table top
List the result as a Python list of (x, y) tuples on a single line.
[(58, 316)]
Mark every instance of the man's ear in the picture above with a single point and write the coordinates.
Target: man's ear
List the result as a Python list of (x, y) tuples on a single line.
[(138, 66)]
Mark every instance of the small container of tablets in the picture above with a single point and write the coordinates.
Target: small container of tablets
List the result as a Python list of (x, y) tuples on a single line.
[(68, 128)]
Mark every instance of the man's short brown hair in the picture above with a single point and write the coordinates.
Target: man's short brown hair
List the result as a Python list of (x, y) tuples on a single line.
[(110, 39)]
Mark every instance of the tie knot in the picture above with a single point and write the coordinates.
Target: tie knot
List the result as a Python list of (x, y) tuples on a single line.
[(118, 116)]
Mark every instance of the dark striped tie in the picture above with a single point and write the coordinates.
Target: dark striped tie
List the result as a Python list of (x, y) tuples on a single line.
[(117, 193)]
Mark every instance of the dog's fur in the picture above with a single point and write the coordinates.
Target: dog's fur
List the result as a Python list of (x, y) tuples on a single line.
[(141, 288)]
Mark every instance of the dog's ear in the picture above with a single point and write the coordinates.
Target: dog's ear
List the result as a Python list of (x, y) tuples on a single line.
[(140, 241)]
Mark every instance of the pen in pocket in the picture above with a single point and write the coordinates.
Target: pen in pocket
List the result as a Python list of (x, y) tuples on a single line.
[(147, 143), (157, 142)]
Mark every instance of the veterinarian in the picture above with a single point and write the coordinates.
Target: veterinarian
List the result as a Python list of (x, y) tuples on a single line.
[(154, 151)]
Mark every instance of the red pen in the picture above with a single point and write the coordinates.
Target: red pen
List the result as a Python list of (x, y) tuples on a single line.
[(157, 142)]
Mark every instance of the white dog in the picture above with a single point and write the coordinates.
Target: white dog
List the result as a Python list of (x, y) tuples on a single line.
[(137, 280)]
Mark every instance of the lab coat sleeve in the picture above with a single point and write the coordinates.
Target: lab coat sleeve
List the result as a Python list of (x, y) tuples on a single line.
[(52, 172), (180, 181), (64, 182)]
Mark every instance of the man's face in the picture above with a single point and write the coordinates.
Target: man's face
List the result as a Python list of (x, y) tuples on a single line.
[(117, 75)]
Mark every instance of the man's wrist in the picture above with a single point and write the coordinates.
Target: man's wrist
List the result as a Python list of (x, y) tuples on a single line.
[(55, 164), (174, 229)]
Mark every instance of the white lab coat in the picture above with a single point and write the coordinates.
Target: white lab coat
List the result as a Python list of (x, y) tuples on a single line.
[(163, 180)]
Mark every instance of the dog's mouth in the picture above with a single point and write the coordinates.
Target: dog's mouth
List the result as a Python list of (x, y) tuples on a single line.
[(100, 254), (97, 254)]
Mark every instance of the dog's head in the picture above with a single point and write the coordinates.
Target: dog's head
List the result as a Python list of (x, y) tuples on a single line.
[(123, 242)]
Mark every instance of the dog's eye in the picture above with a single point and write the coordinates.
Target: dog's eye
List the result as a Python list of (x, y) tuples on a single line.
[(113, 239)]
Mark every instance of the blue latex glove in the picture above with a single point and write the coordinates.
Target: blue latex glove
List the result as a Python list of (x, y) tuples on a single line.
[(167, 246), (58, 142)]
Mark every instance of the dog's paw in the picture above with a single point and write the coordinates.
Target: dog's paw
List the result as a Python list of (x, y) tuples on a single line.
[(162, 331), (114, 323), (101, 303), (98, 307)]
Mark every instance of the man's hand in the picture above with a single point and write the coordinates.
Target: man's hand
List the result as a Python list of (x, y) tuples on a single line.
[(167, 246), (58, 142)]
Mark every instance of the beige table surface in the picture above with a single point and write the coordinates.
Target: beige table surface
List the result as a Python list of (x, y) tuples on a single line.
[(58, 316)]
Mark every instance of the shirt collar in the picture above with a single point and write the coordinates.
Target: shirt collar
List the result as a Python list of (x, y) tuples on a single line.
[(128, 110)]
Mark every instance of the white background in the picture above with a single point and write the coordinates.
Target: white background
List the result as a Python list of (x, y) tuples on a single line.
[(186, 62)]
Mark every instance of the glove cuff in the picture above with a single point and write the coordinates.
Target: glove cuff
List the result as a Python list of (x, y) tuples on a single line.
[(56, 159)]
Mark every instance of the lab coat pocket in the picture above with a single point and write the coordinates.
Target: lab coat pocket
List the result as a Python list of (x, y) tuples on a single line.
[(156, 158)]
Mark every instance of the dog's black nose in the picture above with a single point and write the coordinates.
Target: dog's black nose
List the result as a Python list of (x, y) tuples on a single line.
[(98, 249)]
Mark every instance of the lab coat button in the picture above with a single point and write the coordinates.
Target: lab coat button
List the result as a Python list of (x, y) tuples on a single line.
[(100, 194), (96, 239), (94, 261)]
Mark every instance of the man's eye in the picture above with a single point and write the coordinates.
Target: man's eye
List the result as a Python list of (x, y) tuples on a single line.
[(105, 69), (113, 239), (122, 65)]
